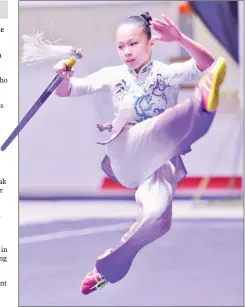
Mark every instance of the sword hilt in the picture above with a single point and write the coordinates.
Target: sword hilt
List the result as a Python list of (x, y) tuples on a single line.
[(70, 63)]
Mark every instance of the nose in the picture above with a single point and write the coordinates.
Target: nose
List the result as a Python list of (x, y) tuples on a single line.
[(127, 52)]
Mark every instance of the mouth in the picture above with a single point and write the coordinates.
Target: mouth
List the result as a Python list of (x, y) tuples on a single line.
[(130, 60)]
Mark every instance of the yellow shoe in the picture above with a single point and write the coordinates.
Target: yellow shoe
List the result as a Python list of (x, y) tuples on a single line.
[(210, 83)]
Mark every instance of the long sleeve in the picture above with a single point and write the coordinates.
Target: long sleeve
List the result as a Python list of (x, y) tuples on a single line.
[(182, 72), (96, 82)]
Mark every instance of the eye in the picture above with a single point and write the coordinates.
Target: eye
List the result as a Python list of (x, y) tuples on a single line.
[(134, 43), (120, 47)]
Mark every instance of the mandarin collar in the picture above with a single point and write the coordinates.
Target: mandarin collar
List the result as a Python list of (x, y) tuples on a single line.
[(145, 69)]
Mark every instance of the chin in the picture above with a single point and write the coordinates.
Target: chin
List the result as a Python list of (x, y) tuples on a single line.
[(133, 65)]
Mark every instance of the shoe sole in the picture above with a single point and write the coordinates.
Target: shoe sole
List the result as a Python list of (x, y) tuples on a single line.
[(217, 80)]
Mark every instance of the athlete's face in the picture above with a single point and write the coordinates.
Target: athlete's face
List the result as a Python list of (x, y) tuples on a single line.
[(133, 45)]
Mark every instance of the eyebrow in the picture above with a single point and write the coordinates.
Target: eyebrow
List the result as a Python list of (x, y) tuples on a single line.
[(129, 40)]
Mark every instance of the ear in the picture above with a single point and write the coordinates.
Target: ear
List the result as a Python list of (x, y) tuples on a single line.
[(152, 43)]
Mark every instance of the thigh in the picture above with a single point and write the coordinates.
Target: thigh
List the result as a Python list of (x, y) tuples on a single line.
[(137, 153), (156, 193), (131, 154), (142, 149), (179, 127)]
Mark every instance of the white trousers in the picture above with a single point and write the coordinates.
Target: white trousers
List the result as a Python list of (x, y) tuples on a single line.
[(146, 156), (154, 197), (142, 149)]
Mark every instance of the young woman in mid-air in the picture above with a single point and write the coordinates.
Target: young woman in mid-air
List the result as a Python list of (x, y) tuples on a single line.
[(150, 130)]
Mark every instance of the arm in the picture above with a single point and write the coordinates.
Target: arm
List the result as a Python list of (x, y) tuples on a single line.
[(167, 31), (73, 86), (179, 73), (64, 88), (99, 81), (203, 57)]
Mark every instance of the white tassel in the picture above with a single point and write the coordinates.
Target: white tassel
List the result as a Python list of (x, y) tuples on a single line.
[(37, 50)]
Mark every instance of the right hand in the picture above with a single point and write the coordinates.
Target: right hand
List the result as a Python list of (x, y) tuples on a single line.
[(61, 69)]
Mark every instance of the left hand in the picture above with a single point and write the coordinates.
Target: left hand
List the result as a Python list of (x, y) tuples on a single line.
[(166, 30)]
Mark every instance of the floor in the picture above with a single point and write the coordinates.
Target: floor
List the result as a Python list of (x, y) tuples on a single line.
[(198, 263)]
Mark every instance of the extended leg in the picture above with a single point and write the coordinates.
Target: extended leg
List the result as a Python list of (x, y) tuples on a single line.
[(187, 122), (155, 196), (145, 147)]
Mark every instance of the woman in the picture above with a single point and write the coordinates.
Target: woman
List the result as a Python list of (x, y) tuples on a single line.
[(150, 130)]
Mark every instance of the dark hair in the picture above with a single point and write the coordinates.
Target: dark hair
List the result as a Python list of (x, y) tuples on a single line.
[(143, 21)]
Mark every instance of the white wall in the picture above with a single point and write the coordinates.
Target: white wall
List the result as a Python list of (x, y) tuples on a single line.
[(58, 153)]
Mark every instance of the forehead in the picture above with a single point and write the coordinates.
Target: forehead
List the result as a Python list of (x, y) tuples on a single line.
[(127, 32)]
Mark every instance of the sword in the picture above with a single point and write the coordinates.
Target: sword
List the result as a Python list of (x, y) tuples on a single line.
[(37, 105)]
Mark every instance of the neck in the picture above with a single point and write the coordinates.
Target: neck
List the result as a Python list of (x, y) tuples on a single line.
[(142, 65)]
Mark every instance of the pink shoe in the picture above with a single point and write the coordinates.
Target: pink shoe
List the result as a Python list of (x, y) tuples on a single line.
[(94, 280)]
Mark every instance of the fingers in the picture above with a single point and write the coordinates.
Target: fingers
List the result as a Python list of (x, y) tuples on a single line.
[(61, 69), (157, 27), (156, 38), (59, 66), (159, 23), (166, 20), (67, 74)]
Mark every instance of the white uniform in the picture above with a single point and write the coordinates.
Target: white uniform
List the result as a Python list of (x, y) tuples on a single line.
[(138, 98), (140, 154)]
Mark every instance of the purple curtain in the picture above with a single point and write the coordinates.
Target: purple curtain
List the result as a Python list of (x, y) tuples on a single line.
[(221, 18)]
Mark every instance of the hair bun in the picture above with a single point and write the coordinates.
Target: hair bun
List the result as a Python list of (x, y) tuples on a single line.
[(147, 17)]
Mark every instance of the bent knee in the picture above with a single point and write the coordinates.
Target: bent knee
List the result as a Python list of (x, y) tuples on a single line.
[(166, 226), (160, 223)]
